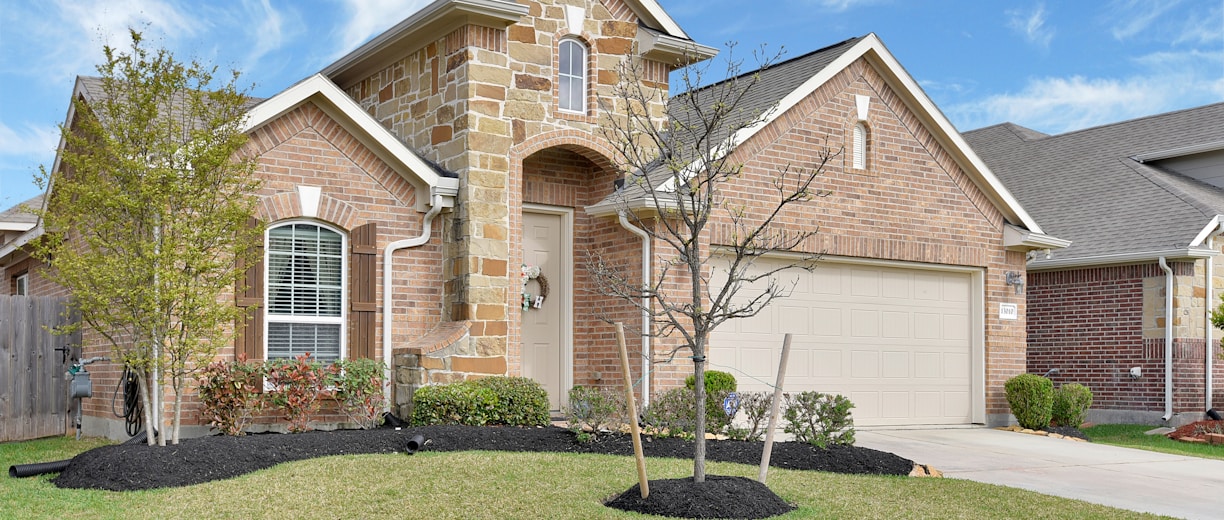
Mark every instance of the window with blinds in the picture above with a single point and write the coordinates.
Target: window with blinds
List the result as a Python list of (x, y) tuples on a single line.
[(572, 76), (859, 147), (305, 284)]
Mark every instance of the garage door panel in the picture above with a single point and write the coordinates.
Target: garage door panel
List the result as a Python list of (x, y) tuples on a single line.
[(895, 341)]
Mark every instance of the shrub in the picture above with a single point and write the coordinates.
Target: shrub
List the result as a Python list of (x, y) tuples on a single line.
[(596, 408), (673, 414), (1071, 403), (230, 393), (297, 385), (819, 419), (521, 401), (513, 401), (756, 408), (456, 403), (718, 386), (1031, 398), (358, 390)]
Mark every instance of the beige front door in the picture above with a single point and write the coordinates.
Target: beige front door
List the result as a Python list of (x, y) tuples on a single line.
[(543, 330)]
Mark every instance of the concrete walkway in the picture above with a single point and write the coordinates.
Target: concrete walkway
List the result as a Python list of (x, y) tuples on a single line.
[(1138, 480)]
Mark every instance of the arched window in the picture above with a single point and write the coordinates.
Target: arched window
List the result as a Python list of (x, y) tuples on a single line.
[(859, 147), (572, 76), (305, 291)]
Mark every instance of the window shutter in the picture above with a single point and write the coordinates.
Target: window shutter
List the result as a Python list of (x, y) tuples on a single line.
[(249, 297), (363, 290)]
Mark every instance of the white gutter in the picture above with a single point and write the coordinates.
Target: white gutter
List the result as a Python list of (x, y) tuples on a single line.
[(426, 229), (1120, 258), (1168, 339), (624, 222), (1208, 327)]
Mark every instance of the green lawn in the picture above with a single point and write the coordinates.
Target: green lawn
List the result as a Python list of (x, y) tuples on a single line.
[(501, 485), (1132, 436)]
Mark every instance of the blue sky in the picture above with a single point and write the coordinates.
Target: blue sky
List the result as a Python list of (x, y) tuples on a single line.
[(1051, 66)]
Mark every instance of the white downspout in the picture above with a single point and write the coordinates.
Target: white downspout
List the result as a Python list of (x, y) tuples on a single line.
[(624, 222), (1168, 339), (1208, 328), (426, 229)]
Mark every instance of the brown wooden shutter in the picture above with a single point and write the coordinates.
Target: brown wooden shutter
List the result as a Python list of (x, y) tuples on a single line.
[(363, 290), (249, 296)]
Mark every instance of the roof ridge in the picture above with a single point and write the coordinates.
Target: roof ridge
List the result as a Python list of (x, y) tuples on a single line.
[(1154, 175), (1140, 118)]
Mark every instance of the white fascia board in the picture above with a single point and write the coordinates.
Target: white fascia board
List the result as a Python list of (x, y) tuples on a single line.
[(437, 12), (654, 10), (21, 240), (319, 87), (655, 45), (1179, 151), (1121, 258), (16, 226), (1021, 239), (637, 205), (1214, 227)]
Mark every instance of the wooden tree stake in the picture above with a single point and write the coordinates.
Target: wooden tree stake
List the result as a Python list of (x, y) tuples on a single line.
[(774, 408), (633, 416)]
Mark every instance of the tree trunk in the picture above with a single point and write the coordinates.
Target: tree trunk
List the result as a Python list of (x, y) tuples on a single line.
[(177, 382), (142, 381), (699, 451)]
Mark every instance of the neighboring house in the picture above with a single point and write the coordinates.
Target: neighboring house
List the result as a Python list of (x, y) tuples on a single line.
[(1134, 198), (18, 272), (425, 167)]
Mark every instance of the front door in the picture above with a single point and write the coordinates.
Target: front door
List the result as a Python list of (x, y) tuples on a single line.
[(543, 332)]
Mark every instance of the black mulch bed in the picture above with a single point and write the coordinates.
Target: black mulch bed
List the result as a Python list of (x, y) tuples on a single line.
[(134, 466), (718, 497)]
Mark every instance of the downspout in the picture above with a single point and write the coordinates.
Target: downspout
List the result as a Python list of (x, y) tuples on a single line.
[(624, 222), (426, 229), (1168, 339)]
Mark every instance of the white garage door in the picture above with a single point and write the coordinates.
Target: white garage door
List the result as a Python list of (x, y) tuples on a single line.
[(896, 341)]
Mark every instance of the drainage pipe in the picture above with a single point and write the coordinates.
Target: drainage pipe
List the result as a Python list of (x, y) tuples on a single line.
[(426, 230), (30, 470), (1168, 339), (624, 222)]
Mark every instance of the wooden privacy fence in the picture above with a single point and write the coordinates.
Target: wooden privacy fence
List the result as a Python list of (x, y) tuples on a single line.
[(33, 386)]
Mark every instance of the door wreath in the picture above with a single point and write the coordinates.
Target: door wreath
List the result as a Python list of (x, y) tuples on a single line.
[(530, 301)]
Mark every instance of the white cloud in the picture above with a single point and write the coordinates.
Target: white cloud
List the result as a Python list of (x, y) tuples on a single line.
[(269, 34), (1031, 25), (21, 150), (1132, 17), (371, 17), (838, 6)]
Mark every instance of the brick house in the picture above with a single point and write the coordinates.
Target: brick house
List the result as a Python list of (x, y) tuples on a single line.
[(1126, 308), (435, 160)]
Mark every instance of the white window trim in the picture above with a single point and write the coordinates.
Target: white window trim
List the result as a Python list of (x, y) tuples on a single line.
[(584, 77), (22, 285), (344, 288)]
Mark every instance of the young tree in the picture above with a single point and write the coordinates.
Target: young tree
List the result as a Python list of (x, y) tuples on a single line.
[(148, 216), (678, 172)]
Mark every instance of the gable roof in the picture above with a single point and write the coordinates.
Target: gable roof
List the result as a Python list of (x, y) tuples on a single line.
[(784, 85), (18, 217), (1093, 186), (340, 107)]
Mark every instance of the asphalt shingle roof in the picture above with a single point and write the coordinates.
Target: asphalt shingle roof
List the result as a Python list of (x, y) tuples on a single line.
[(1084, 186), (17, 213)]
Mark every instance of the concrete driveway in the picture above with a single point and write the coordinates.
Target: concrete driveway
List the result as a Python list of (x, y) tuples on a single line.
[(1138, 480)]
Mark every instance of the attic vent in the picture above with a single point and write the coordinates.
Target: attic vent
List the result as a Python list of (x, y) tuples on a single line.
[(859, 147)]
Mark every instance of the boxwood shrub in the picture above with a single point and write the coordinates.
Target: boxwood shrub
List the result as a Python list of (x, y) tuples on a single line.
[(510, 401), (1031, 398), (1071, 403)]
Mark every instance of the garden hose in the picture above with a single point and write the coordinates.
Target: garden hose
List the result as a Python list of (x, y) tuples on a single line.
[(132, 413)]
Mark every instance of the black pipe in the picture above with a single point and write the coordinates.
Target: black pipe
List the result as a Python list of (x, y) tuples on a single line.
[(415, 444), (1213, 414), (30, 470)]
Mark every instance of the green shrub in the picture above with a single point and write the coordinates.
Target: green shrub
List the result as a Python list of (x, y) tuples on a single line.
[(756, 408), (1031, 398), (1071, 403), (357, 387), (673, 414), (718, 385), (521, 401), (595, 408), (819, 419), (456, 403), (230, 393), (297, 384), (511, 401)]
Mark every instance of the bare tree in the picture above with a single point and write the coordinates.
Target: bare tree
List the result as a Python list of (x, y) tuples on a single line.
[(675, 175)]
